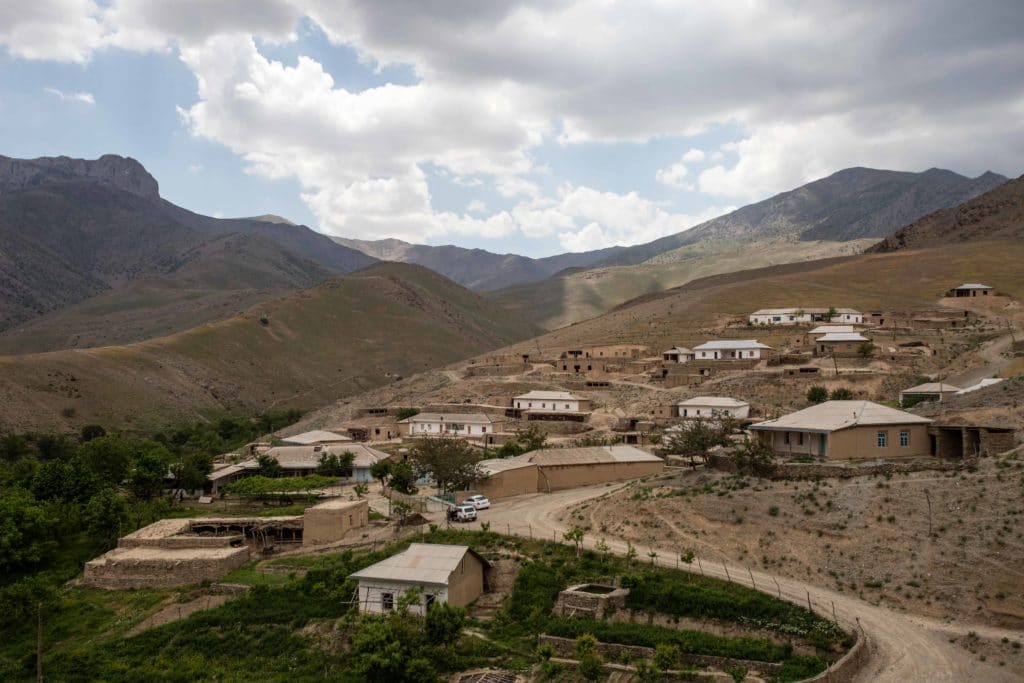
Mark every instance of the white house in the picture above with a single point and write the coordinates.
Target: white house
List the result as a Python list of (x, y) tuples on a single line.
[(314, 437), (796, 316), (677, 354), (551, 402), (707, 407), (453, 574), (731, 349), (450, 424)]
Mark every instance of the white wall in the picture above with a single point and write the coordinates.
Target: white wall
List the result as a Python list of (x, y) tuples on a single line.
[(439, 428), (691, 411), (371, 596), (726, 354), (559, 406)]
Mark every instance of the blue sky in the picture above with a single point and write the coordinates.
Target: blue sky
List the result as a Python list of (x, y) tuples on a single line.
[(501, 125)]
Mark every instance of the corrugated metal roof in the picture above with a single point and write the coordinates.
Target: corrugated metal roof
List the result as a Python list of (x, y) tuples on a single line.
[(315, 436), (714, 401), (828, 329), (794, 311), (972, 285), (731, 344), (548, 395), (307, 457), (832, 416), (454, 418), (931, 388), (843, 337), (431, 563), (588, 455)]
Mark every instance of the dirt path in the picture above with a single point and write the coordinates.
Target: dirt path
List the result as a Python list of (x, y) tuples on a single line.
[(991, 352), (903, 647)]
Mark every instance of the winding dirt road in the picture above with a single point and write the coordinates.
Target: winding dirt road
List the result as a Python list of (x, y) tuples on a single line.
[(904, 648)]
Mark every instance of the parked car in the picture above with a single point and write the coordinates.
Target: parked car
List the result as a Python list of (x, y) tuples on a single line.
[(462, 513), (478, 501)]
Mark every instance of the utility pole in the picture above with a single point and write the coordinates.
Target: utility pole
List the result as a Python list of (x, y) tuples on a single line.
[(929, 499)]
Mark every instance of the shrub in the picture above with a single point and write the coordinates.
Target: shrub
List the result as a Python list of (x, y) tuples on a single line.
[(591, 667), (817, 394), (841, 394), (666, 656)]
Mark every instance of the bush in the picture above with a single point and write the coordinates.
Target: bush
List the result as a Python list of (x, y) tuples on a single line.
[(666, 656), (591, 667), (841, 394), (817, 394)]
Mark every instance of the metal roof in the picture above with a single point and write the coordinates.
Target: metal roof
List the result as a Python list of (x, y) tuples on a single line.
[(714, 401), (548, 395), (843, 337), (828, 329), (307, 457), (794, 311), (588, 455), (315, 436), (682, 350), (931, 388), (454, 418), (431, 563), (832, 416), (496, 465), (972, 285), (731, 344)]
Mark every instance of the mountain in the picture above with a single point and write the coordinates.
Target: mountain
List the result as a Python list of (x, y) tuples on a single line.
[(73, 229), (340, 337), (478, 269), (995, 215), (838, 215)]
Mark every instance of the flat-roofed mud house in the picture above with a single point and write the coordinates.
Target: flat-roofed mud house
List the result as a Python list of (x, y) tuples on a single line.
[(678, 354), (452, 574), (472, 425), (848, 430), (732, 349), (710, 407), (841, 344), (554, 469)]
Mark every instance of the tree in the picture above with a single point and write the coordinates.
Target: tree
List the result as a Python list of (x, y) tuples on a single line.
[(360, 490), (26, 530), (591, 667), (831, 313), (509, 449), (380, 471), (666, 656), (268, 466), (403, 478), (647, 671), (575, 535), (754, 456), (146, 478), (70, 481), (687, 556), (697, 438), (190, 471), (841, 394), (334, 465), (866, 349), (105, 515), (452, 462), (531, 438), (109, 457), (817, 394), (444, 624), (631, 553), (90, 432)]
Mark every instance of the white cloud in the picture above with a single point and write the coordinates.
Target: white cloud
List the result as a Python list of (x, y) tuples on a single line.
[(476, 206), (83, 97), (694, 156), (674, 176), (57, 30)]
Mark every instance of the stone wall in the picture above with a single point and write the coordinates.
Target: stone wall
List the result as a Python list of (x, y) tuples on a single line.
[(167, 569), (820, 470), (573, 602)]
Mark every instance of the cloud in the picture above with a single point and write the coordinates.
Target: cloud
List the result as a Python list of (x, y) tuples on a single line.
[(83, 97), (694, 156), (476, 206), (56, 30), (674, 176)]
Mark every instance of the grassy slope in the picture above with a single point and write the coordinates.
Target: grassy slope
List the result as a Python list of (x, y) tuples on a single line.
[(582, 295), (336, 339), (898, 280)]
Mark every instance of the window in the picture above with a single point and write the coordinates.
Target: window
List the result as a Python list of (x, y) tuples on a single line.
[(785, 438), (567, 406), (483, 430), (387, 601), (883, 439), (429, 600), (799, 438), (904, 439)]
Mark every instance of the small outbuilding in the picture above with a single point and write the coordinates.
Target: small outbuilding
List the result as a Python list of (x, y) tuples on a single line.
[(969, 289), (678, 354), (929, 391), (711, 407), (841, 344), (452, 574)]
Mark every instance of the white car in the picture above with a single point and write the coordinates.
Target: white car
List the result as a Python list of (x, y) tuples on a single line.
[(478, 501), (462, 513)]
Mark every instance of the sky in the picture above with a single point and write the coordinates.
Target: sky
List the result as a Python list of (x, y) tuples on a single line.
[(514, 126)]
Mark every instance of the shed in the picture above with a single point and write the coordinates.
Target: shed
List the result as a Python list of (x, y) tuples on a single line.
[(929, 391)]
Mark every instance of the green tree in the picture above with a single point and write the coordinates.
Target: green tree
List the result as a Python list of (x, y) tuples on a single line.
[(591, 667), (268, 466), (406, 413), (26, 530), (70, 481), (509, 449), (452, 462), (586, 644), (380, 471), (190, 471), (697, 438), (841, 394), (444, 624), (817, 394), (146, 478), (575, 535), (334, 465), (531, 438), (403, 478), (866, 350), (90, 432), (109, 457), (105, 516), (753, 456), (360, 490)]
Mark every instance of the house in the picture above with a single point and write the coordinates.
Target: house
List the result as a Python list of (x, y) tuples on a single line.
[(297, 461), (812, 335), (554, 469), (314, 437), (452, 574), (616, 351), (707, 407), (551, 402), (840, 344), (740, 349), (847, 430), (969, 289), (797, 316), (677, 354), (450, 425), (929, 391)]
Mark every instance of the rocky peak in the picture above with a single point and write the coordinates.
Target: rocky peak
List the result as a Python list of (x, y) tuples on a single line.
[(123, 173)]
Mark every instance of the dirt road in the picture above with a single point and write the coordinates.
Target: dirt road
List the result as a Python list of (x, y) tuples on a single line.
[(992, 353), (904, 648)]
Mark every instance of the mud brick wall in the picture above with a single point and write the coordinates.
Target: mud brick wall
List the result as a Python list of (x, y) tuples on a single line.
[(566, 647), (113, 573)]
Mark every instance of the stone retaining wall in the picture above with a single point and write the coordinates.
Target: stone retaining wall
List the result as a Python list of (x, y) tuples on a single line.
[(821, 470), (566, 647), (114, 572), (849, 666)]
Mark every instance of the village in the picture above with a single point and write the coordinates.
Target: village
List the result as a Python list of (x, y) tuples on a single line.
[(787, 394)]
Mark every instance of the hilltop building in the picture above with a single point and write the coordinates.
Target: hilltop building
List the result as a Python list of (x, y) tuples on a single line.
[(710, 407), (452, 574), (551, 402), (554, 469), (799, 316), (847, 430), (840, 344), (969, 289), (450, 425), (738, 349), (929, 391), (678, 354)]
